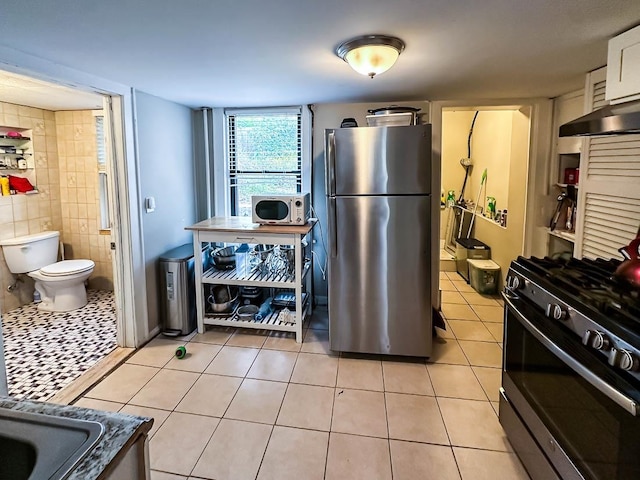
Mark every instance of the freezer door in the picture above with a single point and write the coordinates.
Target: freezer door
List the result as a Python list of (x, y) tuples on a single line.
[(378, 160), (379, 275)]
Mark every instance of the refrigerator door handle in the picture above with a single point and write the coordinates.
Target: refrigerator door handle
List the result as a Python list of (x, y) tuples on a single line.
[(333, 235), (331, 152)]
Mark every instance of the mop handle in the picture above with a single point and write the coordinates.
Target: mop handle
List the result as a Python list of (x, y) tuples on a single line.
[(475, 208)]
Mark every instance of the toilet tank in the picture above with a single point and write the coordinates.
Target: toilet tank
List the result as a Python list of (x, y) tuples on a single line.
[(31, 252)]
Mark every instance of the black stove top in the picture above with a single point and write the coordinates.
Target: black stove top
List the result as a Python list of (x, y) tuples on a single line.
[(590, 286)]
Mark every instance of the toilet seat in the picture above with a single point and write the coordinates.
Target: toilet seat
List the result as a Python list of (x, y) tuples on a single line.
[(67, 267)]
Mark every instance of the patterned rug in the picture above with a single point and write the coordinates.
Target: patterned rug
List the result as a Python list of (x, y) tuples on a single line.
[(45, 352)]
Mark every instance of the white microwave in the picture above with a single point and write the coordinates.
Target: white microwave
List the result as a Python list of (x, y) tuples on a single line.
[(281, 209)]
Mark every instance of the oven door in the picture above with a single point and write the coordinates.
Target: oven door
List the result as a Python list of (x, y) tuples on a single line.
[(579, 410)]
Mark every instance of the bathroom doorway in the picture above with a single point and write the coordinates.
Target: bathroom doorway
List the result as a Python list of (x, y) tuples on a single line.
[(69, 160)]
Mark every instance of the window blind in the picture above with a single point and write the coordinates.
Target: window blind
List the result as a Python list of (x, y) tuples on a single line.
[(264, 155)]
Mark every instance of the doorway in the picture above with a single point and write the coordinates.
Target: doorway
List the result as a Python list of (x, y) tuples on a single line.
[(492, 155), (67, 152)]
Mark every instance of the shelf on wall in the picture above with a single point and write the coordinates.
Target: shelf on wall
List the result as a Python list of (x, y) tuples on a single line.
[(564, 235)]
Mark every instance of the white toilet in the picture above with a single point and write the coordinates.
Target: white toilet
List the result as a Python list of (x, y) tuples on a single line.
[(60, 284)]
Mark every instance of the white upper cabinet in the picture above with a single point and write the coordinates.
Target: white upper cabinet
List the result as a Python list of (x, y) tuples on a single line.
[(623, 67)]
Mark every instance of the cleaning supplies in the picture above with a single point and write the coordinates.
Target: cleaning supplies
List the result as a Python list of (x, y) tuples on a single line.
[(491, 207), (451, 198), (4, 185), (475, 208)]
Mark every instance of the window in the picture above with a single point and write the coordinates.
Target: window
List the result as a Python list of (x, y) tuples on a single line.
[(104, 221), (264, 155)]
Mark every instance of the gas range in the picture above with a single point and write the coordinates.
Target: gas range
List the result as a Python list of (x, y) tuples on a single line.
[(586, 298)]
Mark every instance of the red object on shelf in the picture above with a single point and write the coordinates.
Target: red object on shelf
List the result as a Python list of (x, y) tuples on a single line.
[(20, 184), (571, 176)]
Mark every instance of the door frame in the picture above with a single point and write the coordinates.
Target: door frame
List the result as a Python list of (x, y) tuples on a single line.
[(129, 276), (540, 125)]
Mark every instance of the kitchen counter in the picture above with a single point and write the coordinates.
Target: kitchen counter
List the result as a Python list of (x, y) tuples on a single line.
[(245, 225), (121, 432)]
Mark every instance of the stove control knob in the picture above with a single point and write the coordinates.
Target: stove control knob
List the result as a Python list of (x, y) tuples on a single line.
[(596, 339), (514, 283), (556, 312), (623, 359)]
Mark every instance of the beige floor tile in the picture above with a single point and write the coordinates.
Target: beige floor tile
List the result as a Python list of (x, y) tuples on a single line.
[(165, 390), (156, 353), (294, 454), (453, 297), (496, 408), (319, 319), (461, 285), (210, 395), (473, 424), (215, 335), (156, 475), (316, 341), (496, 329), (454, 311), (199, 356), (485, 465), (455, 381), (415, 418), (246, 337), (471, 330), (482, 354), (121, 385), (447, 351), (455, 277), (234, 452), (360, 373), (315, 369), (445, 332), (474, 298), (489, 313), (491, 381), (447, 286), (96, 404), (412, 461), (233, 361), (273, 365), (359, 412), (257, 401), (173, 450), (285, 341), (307, 406), (406, 377), (159, 416), (443, 276), (358, 458)]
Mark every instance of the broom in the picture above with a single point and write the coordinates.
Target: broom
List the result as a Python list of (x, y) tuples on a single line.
[(475, 208)]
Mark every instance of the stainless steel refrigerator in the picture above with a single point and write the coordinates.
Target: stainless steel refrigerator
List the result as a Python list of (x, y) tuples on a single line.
[(383, 234)]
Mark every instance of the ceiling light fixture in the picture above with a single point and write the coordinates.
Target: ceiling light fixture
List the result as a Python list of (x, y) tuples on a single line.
[(371, 54)]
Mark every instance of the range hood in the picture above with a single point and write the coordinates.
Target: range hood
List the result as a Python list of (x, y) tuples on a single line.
[(620, 119)]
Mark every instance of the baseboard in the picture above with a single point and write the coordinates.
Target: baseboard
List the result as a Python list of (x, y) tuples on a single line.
[(321, 301)]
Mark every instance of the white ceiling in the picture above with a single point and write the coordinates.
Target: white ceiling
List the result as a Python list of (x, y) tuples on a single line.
[(281, 52)]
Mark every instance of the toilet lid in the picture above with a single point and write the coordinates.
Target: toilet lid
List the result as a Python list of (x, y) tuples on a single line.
[(67, 267)]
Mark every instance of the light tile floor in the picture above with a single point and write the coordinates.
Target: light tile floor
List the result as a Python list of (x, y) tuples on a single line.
[(257, 405)]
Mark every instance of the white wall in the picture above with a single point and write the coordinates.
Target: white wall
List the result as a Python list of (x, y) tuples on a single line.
[(165, 153)]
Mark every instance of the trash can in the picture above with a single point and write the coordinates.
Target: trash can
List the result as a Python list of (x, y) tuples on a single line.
[(177, 291), (484, 275), (469, 249)]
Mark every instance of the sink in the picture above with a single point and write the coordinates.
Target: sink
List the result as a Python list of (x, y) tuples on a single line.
[(36, 446)]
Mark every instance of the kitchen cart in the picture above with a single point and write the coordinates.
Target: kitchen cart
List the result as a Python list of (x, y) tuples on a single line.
[(240, 230)]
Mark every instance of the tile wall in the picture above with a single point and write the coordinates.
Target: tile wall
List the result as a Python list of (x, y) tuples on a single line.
[(79, 194), (28, 214), (62, 168)]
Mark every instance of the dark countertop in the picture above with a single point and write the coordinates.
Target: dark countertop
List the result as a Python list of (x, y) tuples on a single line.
[(120, 432)]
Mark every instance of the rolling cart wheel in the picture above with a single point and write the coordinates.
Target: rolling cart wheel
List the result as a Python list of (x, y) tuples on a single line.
[(181, 352)]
